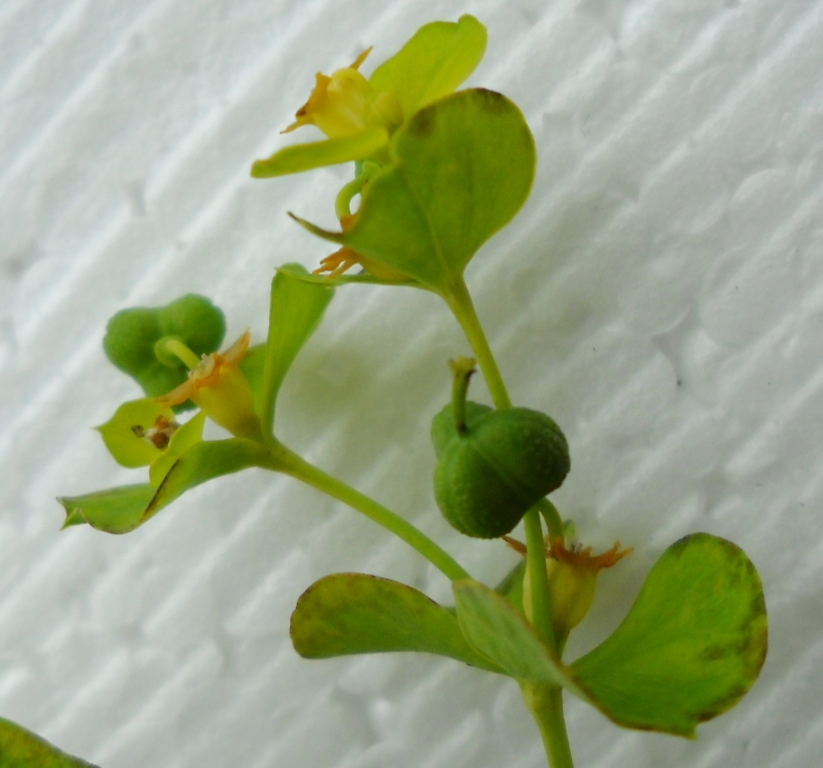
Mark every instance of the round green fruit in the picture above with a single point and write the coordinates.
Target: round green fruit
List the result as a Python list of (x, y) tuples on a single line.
[(496, 467)]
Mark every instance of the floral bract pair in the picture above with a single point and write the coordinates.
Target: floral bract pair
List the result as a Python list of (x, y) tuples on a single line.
[(438, 172), (236, 390), (359, 115)]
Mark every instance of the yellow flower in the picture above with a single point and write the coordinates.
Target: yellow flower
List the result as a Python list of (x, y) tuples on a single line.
[(346, 104), (359, 114), (220, 389), (572, 579)]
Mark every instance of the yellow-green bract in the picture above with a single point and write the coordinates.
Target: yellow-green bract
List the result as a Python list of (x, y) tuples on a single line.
[(459, 172), (691, 646), (352, 110)]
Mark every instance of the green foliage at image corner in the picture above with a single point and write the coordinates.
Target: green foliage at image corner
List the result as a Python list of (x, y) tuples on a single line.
[(132, 333), (20, 748)]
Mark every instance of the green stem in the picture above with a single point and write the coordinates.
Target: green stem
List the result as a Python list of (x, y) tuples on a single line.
[(342, 203), (180, 350), (553, 520), (285, 460), (545, 702), (344, 197), (462, 368), (462, 307), (542, 617)]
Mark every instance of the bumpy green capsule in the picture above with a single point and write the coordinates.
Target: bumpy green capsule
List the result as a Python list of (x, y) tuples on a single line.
[(493, 465)]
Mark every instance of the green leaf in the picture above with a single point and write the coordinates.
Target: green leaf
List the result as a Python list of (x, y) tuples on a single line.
[(305, 157), (124, 433), (460, 171), (502, 634), (120, 510), (181, 441), (295, 311), (511, 587), (131, 336), (253, 366), (116, 510), (692, 643), (350, 613), (20, 748), (433, 63), (206, 461)]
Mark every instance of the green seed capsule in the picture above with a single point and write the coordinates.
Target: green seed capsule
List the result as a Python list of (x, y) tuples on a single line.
[(494, 465)]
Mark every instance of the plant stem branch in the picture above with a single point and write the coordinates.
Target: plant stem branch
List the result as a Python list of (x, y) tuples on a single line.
[(462, 308), (288, 462), (182, 352), (542, 617), (553, 520), (545, 702)]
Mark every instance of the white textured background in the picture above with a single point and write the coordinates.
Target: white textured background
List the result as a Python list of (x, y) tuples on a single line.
[(661, 295)]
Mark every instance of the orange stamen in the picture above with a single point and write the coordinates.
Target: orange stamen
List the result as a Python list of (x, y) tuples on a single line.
[(517, 546), (337, 263), (584, 559), (580, 558), (345, 258)]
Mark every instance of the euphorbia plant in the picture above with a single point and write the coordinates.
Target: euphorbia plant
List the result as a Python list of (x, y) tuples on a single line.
[(438, 172)]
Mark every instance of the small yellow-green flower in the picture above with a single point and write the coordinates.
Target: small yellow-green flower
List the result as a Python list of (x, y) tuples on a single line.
[(145, 433), (345, 104), (220, 389), (572, 579), (359, 114)]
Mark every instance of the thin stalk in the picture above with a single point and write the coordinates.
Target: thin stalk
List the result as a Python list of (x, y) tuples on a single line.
[(542, 617), (554, 522), (462, 368), (288, 462), (462, 307), (545, 702), (182, 352)]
